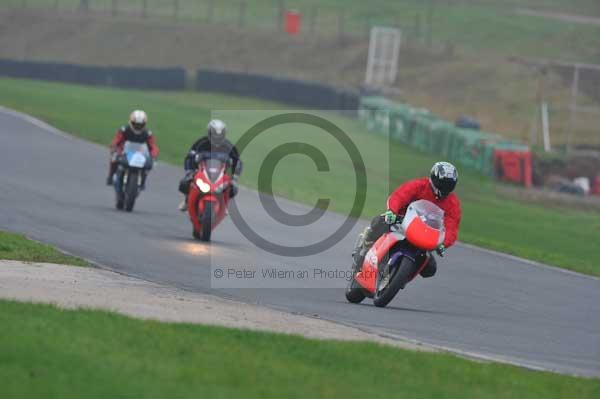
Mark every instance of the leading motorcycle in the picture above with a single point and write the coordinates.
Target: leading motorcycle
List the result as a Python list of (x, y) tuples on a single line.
[(398, 256), (129, 179)]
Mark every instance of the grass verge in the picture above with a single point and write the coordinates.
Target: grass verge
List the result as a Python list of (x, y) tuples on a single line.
[(17, 247), (94, 354), (556, 236)]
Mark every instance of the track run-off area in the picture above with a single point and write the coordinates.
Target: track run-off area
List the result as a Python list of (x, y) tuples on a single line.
[(481, 304)]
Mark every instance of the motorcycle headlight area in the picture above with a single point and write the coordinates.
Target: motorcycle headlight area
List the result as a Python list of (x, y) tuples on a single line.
[(204, 187), (221, 187)]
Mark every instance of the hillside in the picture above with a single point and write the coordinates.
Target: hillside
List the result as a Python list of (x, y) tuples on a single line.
[(450, 81)]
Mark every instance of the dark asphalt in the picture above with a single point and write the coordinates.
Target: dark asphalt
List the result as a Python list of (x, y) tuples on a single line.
[(51, 188)]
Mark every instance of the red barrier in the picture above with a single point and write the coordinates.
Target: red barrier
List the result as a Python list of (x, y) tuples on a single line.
[(513, 166), (293, 20)]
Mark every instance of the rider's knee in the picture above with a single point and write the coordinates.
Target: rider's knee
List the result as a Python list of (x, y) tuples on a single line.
[(376, 222), (184, 186), (377, 228)]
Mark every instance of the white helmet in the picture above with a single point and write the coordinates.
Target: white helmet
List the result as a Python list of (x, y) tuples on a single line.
[(137, 121), (216, 131)]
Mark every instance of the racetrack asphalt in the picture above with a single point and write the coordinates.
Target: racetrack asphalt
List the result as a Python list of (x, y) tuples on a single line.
[(480, 303)]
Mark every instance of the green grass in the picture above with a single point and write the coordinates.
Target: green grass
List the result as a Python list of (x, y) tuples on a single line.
[(48, 352), (17, 247), (557, 236), (491, 27), (477, 26)]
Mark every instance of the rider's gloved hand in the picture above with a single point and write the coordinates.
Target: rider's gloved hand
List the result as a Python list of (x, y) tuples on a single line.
[(389, 217), (441, 250)]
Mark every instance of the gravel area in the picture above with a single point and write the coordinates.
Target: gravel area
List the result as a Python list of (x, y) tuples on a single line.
[(88, 287)]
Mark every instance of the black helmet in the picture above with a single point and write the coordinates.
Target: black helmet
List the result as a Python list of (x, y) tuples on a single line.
[(216, 131), (443, 179)]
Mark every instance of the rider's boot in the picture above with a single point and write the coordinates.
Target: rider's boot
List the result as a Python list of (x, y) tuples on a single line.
[(362, 247), (183, 205), (112, 168), (371, 233)]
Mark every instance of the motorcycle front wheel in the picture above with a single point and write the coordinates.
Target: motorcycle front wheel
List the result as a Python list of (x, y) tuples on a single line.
[(206, 220), (119, 195), (385, 291), (131, 190)]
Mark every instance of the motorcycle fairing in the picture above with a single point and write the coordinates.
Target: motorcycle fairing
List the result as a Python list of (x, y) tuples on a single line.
[(137, 155), (197, 200), (377, 254)]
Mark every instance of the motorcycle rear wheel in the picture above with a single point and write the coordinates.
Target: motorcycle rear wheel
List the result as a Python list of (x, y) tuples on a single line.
[(355, 293), (400, 277), (120, 201)]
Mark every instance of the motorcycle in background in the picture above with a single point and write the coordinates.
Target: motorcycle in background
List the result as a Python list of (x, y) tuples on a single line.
[(209, 195), (129, 179), (398, 256)]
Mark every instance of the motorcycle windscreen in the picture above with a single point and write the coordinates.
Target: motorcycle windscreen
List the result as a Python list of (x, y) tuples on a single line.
[(137, 154), (214, 169), (423, 225)]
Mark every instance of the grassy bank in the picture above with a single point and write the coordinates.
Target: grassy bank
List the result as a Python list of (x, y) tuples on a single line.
[(47, 352), (449, 80), (552, 235), (493, 27), (17, 247)]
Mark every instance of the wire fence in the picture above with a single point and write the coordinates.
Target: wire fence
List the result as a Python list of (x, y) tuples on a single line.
[(429, 22), (416, 21), (573, 120)]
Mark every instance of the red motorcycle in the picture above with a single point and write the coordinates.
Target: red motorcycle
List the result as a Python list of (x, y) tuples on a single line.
[(208, 197), (398, 256)]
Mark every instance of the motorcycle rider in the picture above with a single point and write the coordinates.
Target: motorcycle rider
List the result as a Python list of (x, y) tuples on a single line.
[(437, 188), (136, 132), (214, 143)]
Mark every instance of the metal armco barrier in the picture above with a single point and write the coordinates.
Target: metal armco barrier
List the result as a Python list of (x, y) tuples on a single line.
[(293, 92), (123, 77)]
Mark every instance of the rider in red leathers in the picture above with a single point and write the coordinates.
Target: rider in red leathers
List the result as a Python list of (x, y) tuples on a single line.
[(436, 188), (135, 132)]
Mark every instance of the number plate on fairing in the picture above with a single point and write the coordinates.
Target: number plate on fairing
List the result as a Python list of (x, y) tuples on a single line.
[(137, 160)]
